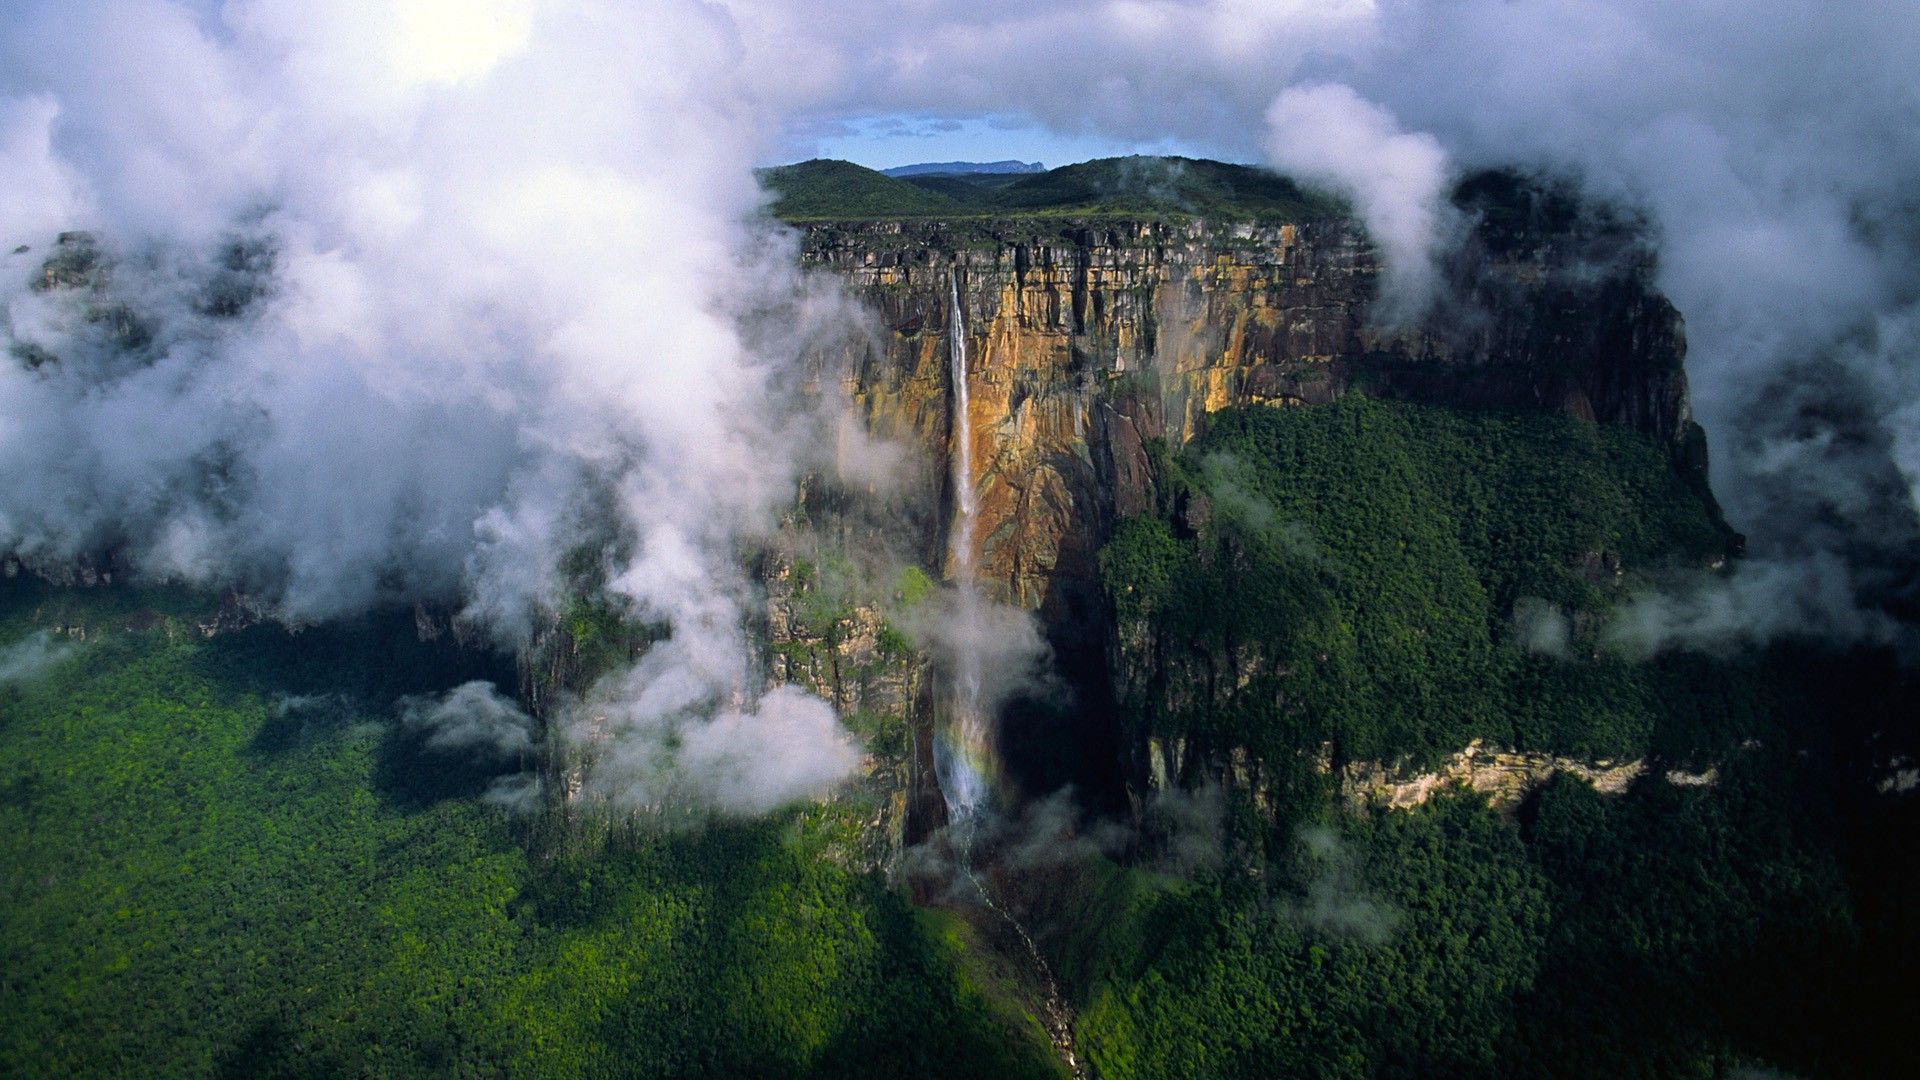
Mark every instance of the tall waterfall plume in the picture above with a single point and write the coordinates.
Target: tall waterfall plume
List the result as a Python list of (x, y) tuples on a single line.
[(965, 761)]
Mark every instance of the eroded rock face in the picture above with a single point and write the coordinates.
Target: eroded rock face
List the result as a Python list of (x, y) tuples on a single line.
[(842, 648), (1087, 341), (1504, 776)]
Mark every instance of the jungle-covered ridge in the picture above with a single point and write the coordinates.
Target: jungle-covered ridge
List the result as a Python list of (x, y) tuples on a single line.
[(1399, 579), (1125, 187), (1371, 580)]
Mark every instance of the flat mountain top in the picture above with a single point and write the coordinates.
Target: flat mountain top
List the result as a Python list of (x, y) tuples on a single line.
[(1133, 187)]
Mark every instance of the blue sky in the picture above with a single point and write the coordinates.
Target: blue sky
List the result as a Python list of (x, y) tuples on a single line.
[(883, 142)]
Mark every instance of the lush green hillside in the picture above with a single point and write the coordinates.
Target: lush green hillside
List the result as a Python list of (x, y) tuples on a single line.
[(1359, 567), (974, 189), (220, 856), (823, 189), (1351, 575), (1152, 187)]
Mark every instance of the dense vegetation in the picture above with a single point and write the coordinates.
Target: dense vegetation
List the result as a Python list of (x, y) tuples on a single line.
[(827, 189), (1145, 187), (222, 856), (1667, 932), (1353, 574), (1402, 579)]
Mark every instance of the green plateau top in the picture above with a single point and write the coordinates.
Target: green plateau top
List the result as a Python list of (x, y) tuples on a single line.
[(1130, 187)]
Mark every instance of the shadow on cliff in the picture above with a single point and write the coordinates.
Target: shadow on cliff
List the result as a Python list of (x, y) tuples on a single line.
[(1075, 739)]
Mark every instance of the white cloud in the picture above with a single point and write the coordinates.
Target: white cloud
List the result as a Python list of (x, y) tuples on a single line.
[(1328, 134), (31, 656), (497, 258), (472, 718)]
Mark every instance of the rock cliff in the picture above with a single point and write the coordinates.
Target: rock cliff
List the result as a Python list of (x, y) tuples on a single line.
[(1087, 340), (1092, 342)]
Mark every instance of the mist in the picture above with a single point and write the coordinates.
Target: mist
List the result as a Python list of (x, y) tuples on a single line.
[(404, 300), (473, 718), (1329, 135), (1335, 902), (1005, 643), (31, 657)]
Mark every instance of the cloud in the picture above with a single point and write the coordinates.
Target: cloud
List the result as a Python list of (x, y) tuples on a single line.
[(31, 656), (517, 793), (401, 300), (43, 192), (1335, 902), (1000, 644), (649, 741), (1762, 600), (1540, 626), (474, 288), (1187, 829), (1328, 134), (472, 718), (1230, 484)]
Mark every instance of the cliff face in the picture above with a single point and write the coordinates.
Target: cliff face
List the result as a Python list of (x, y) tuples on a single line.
[(841, 647), (1087, 341)]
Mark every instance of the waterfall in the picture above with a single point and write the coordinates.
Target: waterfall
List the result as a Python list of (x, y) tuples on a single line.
[(966, 752), (965, 499), (963, 755)]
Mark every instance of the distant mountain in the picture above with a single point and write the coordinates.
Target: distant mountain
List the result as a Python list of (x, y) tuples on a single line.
[(952, 167)]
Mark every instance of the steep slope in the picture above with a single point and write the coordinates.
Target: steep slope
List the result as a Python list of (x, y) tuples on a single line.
[(1098, 346)]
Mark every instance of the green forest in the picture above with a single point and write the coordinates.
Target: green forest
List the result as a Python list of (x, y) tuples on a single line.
[(1157, 188), (1360, 568), (221, 855), (1350, 576)]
